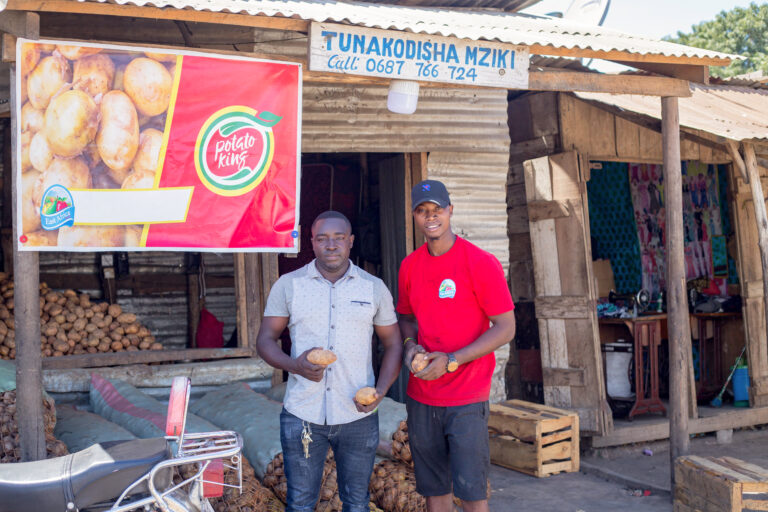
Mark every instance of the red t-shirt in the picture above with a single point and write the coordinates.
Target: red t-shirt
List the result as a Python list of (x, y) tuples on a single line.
[(452, 296)]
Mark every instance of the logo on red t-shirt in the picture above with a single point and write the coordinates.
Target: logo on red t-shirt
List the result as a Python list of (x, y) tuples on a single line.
[(447, 289)]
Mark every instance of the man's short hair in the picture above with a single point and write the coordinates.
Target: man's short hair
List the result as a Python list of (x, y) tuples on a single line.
[(332, 214)]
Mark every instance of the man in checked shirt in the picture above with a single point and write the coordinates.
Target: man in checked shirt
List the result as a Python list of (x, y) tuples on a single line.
[(332, 304)]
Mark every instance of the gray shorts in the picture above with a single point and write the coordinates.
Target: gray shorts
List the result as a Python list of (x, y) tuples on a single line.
[(450, 449)]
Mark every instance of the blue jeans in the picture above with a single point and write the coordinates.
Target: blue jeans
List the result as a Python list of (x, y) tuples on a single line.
[(354, 448)]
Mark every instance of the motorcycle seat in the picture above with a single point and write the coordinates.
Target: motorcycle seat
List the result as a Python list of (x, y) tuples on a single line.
[(98, 474)]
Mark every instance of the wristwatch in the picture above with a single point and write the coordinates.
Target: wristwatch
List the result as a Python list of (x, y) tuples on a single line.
[(452, 364)]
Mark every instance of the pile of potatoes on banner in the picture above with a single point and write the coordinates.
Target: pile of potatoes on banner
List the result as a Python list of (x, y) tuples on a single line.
[(91, 118), (71, 324)]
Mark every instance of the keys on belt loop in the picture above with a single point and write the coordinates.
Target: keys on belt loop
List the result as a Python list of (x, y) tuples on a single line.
[(306, 437)]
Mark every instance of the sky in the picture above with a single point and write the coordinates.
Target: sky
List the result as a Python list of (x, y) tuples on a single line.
[(651, 18)]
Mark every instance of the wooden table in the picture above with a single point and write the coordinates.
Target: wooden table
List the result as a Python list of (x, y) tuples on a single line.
[(710, 352), (646, 335)]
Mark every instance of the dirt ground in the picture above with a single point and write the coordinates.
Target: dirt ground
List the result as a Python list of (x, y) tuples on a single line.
[(567, 492)]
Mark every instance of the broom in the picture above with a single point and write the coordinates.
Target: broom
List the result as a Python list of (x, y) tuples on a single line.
[(718, 400)]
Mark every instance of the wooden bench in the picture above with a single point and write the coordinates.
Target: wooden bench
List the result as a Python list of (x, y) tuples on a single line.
[(719, 484), (533, 438)]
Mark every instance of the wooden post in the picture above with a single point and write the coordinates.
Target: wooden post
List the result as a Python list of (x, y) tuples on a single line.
[(677, 301), (6, 230), (761, 219), (26, 278)]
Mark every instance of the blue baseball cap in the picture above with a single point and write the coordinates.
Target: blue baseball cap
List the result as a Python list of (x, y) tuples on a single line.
[(429, 191)]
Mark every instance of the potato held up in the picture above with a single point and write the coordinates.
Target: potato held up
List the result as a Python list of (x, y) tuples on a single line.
[(321, 356), (366, 396)]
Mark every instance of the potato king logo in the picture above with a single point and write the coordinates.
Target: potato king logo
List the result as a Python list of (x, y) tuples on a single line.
[(234, 150)]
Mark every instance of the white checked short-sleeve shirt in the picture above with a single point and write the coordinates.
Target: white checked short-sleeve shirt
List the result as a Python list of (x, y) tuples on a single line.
[(336, 316)]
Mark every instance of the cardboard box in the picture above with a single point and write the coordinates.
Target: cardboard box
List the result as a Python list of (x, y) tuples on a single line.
[(603, 277)]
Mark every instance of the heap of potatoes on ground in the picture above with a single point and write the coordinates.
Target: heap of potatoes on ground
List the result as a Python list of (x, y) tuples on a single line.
[(90, 119), (10, 450), (71, 324)]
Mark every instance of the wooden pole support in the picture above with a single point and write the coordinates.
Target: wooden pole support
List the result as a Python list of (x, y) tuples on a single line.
[(29, 368), (677, 301), (761, 219), (733, 150)]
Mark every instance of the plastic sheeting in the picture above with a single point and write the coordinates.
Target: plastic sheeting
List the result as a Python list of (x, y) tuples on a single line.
[(142, 415), (81, 429)]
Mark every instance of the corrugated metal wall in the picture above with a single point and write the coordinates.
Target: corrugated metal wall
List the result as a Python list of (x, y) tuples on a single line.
[(348, 118), (477, 184)]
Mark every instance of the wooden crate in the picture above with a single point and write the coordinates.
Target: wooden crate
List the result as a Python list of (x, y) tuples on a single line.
[(719, 484), (533, 438)]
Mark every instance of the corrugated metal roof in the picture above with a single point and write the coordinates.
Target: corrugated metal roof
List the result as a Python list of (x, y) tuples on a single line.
[(512, 28), (737, 113), (503, 5)]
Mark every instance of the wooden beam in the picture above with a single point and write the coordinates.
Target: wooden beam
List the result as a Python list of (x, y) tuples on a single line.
[(142, 357), (690, 72), (408, 184), (26, 278), (193, 308), (627, 57), (254, 305), (733, 149), (563, 306), (540, 210), (20, 24), (208, 373), (241, 300), (564, 376), (8, 48), (167, 13), (140, 284), (761, 219), (418, 174), (616, 84), (677, 302), (653, 429)]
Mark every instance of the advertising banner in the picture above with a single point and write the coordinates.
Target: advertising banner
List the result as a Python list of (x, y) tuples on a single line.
[(421, 57), (123, 148)]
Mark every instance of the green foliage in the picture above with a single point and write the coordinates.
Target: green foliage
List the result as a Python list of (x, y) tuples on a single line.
[(741, 31)]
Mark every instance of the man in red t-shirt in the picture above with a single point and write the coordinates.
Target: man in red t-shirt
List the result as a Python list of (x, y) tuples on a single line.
[(449, 292)]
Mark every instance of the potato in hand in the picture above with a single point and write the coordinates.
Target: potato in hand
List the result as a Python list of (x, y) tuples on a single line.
[(419, 362), (321, 356), (366, 396)]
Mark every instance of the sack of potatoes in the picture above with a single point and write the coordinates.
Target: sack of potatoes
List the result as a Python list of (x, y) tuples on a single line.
[(91, 118)]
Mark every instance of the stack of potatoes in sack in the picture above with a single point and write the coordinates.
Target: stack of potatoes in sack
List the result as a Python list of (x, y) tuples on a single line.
[(91, 118), (9, 426), (253, 498), (71, 324), (329, 500), (393, 483)]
